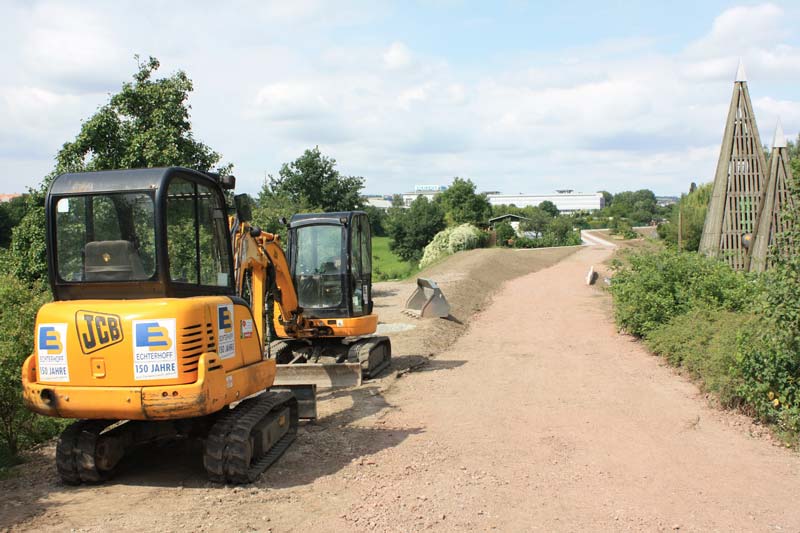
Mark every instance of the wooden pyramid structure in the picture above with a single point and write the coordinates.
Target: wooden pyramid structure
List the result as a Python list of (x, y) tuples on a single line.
[(777, 196), (732, 218)]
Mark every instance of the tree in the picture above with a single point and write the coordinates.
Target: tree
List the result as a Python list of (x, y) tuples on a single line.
[(312, 180), (538, 220), (561, 228), (413, 228), (549, 207), (11, 214), (145, 125), (272, 206), (608, 198), (639, 207), (505, 233), (377, 220), (688, 217), (463, 206)]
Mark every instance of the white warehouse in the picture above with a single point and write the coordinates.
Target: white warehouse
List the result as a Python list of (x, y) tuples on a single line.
[(566, 202)]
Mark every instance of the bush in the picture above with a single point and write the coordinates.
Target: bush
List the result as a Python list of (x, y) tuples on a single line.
[(19, 302), (656, 286), (450, 241), (706, 342), (622, 228), (505, 233), (771, 352), (689, 216)]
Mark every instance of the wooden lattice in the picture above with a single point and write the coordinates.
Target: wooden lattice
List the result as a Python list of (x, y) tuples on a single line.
[(777, 198), (738, 184)]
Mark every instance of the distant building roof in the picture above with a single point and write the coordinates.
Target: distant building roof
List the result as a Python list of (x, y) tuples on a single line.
[(8, 197), (508, 215), (380, 203), (565, 202)]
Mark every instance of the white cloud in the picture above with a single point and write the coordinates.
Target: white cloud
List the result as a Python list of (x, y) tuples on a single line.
[(73, 47), (397, 56), (743, 27), (290, 101), (615, 114)]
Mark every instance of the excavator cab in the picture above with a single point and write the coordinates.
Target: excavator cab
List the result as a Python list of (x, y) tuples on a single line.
[(330, 260), (138, 234)]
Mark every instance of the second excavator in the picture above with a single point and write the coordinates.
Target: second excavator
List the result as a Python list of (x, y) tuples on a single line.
[(322, 322)]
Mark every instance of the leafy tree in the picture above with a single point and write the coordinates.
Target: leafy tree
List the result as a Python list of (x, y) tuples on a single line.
[(11, 214), (377, 220), (608, 198), (272, 206), (639, 207), (538, 220), (463, 206), (688, 217), (561, 229), (549, 207), (505, 233), (413, 228), (145, 125), (313, 181), (27, 256)]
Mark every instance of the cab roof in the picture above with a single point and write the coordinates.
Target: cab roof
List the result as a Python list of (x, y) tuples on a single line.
[(105, 181), (335, 218)]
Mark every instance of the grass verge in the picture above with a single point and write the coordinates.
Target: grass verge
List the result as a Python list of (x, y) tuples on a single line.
[(386, 265)]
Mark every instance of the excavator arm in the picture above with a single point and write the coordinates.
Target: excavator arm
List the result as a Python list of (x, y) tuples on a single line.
[(257, 253)]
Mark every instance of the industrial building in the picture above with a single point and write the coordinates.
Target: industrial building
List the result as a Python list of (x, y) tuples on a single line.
[(566, 201), (428, 191)]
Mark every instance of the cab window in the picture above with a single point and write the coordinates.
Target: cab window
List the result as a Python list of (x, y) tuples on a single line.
[(105, 237), (197, 244)]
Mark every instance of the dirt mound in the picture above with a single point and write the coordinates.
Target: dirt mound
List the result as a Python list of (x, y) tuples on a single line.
[(467, 279)]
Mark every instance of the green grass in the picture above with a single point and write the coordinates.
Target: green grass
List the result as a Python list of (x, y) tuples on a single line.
[(386, 265)]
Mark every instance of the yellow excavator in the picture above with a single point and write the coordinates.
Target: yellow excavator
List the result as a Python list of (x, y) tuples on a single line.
[(315, 300), (159, 318)]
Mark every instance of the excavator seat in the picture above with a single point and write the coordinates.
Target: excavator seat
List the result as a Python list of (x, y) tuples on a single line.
[(112, 261)]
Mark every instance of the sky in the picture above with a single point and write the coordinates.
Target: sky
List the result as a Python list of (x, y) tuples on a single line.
[(519, 97)]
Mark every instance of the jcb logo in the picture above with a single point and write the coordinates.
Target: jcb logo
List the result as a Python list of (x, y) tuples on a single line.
[(50, 340), (153, 336), (225, 318), (97, 330)]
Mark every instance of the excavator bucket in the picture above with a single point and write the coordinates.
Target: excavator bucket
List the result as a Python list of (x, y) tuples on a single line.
[(427, 301)]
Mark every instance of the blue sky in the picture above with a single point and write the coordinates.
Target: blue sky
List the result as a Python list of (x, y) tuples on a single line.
[(517, 96)]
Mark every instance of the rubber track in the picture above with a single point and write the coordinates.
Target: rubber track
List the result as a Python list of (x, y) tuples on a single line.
[(75, 452), (364, 347), (228, 456), (214, 449)]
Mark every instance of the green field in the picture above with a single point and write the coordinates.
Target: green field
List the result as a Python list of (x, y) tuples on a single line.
[(386, 265)]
